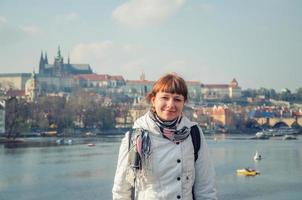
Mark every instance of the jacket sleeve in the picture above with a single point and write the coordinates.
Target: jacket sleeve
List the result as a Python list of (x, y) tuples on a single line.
[(121, 187), (204, 185)]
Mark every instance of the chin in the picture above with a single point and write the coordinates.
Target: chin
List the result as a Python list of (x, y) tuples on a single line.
[(170, 118)]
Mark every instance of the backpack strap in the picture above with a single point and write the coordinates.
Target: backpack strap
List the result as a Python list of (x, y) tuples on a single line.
[(134, 158), (195, 135)]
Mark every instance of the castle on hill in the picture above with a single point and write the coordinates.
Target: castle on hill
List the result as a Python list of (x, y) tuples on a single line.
[(59, 68)]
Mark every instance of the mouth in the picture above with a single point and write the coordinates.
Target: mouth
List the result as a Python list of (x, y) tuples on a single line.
[(170, 111)]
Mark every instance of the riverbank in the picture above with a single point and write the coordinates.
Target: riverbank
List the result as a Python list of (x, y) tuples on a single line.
[(11, 140)]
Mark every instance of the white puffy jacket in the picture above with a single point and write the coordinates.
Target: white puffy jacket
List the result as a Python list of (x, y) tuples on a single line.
[(174, 171)]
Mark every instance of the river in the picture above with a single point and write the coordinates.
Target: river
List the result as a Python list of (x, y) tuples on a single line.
[(45, 170)]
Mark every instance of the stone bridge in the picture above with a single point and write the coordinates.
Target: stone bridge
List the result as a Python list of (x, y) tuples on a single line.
[(275, 122)]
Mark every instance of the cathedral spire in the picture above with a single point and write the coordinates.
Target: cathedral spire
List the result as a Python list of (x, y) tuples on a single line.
[(41, 57), (59, 52), (46, 59), (59, 61), (68, 60), (41, 63)]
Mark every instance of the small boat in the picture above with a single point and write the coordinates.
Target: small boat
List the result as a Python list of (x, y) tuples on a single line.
[(90, 133), (261, 135), (247, 172), (69, 141), (289, 137), (91, 145), (257, 156), (60, 141)]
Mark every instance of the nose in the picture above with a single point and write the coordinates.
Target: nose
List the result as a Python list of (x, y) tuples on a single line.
[(171, 103)]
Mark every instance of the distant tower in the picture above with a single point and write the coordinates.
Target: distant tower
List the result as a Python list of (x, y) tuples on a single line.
[(234, 83), (42, 64), (31, 87), (59, 59), (46, 59), (142, 77), (59, 63)]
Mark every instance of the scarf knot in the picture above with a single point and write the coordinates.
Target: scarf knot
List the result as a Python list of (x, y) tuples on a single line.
[(169, 128)]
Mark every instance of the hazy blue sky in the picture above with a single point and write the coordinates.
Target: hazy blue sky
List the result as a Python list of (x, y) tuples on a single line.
[(258, 42)]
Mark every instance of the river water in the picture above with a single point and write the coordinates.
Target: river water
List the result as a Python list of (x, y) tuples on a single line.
[(44, 170)]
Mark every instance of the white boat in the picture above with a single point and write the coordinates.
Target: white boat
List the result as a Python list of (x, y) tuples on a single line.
[(289, 137), (261, 135), (69, 141), (90, 133), (60, 141), (257, 156), (287, 131)]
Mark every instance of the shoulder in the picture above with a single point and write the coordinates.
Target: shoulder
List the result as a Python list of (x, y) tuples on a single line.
[(185, 121), (146, 123)]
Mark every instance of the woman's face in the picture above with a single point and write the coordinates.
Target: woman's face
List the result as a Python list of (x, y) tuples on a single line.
[(168, 106)]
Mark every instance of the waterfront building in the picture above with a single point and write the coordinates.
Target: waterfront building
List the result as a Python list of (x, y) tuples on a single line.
[(14, 81), (215, 117), (139, 87), (221, 91), (221, 115), (98, 81), (32, 89), (194, 91)]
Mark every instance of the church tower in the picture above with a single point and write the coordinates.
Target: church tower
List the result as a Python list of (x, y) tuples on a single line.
[(42, 64), (31, 87), (142, 77), (59, 64), (46, 59)]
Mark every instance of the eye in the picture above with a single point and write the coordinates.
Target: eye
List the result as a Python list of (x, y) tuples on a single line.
[(164, 97), (178, 99)]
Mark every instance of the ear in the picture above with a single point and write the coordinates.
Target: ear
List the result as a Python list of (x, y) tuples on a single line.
[(152, 100)]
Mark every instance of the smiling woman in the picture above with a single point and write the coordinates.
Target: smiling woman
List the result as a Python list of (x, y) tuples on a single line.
[(168, 96), (157, 160)]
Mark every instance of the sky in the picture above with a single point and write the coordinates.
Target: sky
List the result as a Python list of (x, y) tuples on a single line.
[(258, 42)]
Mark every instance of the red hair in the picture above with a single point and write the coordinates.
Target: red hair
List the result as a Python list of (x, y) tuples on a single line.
[(170, 83)]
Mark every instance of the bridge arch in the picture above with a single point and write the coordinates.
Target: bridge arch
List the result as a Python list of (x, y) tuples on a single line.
[(280, 124), (276, 122), (252, 123)]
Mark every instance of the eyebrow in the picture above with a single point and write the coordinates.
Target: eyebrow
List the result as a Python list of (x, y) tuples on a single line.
[(175, 95)]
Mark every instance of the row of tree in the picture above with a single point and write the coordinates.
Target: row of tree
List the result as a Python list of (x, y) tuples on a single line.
[(81, 110), (284, 95)]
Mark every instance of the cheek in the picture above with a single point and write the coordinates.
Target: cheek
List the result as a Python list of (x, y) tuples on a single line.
[(180, 106)]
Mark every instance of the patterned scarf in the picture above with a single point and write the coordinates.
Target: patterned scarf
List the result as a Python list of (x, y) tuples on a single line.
[(169, 128)]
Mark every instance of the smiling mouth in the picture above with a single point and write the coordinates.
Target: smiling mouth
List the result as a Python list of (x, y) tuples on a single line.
[(170, 111)]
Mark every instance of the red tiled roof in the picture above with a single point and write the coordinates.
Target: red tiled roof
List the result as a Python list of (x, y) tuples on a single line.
[(140, 81), (98, 77), (193, 82), (216, 86), (117, 78)]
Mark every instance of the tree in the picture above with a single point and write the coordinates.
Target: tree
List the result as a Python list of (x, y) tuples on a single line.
[(299, 94), (286, 95), (11, 117)]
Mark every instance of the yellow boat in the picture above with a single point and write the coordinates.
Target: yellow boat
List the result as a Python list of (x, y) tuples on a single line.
[(247, 172), (50, 133)]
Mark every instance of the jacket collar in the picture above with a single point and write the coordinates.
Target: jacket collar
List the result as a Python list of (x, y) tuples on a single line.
[(145, 122)]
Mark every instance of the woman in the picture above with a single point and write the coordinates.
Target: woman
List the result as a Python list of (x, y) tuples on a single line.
[(166, 169)]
